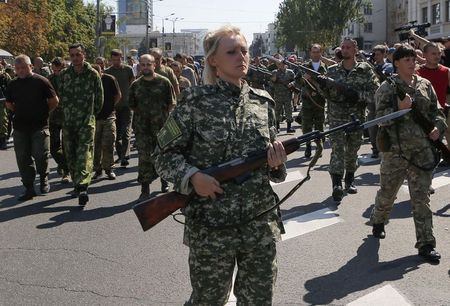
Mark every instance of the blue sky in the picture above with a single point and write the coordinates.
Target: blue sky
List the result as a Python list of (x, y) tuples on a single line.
[(250, 15)]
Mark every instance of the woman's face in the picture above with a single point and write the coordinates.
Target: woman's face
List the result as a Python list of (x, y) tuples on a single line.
[(405, 65), (231, 58)]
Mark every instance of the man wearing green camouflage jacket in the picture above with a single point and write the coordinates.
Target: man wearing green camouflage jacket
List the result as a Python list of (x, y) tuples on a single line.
[(81, 94)]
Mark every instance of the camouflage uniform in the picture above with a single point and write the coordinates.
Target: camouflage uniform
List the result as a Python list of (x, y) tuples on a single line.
[(55, 126), (167, 72), (82, 98), (215, 124), (411, 156), (282, 94), (257, 79), (151, 101), (313, 103), (345, 148)]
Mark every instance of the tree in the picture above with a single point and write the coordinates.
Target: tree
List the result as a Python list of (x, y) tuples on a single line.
[(315, 21)]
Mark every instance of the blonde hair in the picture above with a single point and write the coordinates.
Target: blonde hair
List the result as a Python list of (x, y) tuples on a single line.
[(210, 46)]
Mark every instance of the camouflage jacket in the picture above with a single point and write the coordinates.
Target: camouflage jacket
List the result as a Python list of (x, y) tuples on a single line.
[(404, 133), (151, 101), (361, 78), (81, 95), (167, 72), (56, 115), (280, 86), (215, 124)]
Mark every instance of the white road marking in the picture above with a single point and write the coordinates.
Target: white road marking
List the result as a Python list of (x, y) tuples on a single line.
[(291, 176), (365, 159), (309, 222), (440, 179), (386, 295)]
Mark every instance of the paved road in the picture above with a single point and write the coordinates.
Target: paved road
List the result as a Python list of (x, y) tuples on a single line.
[(52, 253)]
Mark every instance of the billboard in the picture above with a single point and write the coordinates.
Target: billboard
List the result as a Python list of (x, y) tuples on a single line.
[(136, 13), (109, 25)]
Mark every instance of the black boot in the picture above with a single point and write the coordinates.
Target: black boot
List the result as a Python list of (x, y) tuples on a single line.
[(308, 150), (429, 254), (338, 193), (289, 129), (83, 197), (278, 127), (378, 231), (28, 195), (45, 186), (298, 119), (350, 183), (164, 186), (145, 192), (3, 143)]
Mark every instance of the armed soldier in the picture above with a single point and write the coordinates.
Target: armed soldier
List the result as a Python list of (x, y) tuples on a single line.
[(360, 77), (407, 150), (313, 102), (4, 115), (281, 78)]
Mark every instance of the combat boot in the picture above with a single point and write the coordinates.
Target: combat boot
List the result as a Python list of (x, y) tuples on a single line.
[(289, 129), (44, 186), (298, 119), (145, 192), (350, 183), (164, 186), (308, 150), (97, 174), (378, 231), (110, 175), (28, 195), (429, 254), (65, 179), (338, 192), (3, 143), (83, 197)]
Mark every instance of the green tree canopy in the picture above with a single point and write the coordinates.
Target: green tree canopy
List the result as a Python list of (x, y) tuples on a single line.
[(315, 21)]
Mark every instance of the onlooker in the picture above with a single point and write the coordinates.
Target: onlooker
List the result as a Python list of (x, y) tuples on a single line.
[(124, 115), (105, 124), (31, 97)]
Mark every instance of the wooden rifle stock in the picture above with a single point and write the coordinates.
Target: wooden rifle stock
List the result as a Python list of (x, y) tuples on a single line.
[(156, 209)]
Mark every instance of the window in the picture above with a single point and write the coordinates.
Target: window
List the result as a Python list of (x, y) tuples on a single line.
[(368, 27), (436, 13), (367, 9), (425, 14), (447, 10)]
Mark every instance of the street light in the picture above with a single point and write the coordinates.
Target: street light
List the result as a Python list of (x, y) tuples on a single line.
[(173, 22)]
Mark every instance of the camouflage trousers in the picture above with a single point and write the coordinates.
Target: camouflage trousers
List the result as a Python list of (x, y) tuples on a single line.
[(283, 103), (124, 118), (212, 275), (56, 146), (344, 151), (79, 151), (393, 171), (105, 136), (374, 129), (31, 148), (146, 143), (3, 120), (312, 119)]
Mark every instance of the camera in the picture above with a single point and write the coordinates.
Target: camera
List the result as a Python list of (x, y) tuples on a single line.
[(420, 30)]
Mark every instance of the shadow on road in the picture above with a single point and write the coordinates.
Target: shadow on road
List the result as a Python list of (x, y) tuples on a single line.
[(400, 210), (443, 211), (361, 272)]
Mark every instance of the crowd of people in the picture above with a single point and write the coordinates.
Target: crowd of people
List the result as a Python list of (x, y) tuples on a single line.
[(188, 116)]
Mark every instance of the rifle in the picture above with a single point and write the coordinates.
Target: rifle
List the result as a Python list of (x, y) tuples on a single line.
[(324, 81), (426, 124), (151, 212)]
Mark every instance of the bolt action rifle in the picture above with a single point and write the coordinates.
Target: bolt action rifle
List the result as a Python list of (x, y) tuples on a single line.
[(152, 211), (348, 92)]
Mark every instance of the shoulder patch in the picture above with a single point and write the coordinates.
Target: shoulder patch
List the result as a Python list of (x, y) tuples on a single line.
[(168, 133)]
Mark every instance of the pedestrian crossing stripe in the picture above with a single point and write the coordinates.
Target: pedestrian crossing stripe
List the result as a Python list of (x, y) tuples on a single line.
[(440, 179), (384, 296), (290, 177)]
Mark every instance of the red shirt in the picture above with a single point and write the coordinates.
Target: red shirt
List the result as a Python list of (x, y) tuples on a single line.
[(439, 79)]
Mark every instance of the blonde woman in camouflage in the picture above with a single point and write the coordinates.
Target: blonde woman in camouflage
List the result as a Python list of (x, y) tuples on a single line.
[(214, 123)]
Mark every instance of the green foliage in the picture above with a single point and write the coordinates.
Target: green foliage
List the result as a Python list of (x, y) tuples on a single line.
[(315, 21)]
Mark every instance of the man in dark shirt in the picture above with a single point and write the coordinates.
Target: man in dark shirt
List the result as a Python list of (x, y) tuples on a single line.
[(105, 128), (31, 97)]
